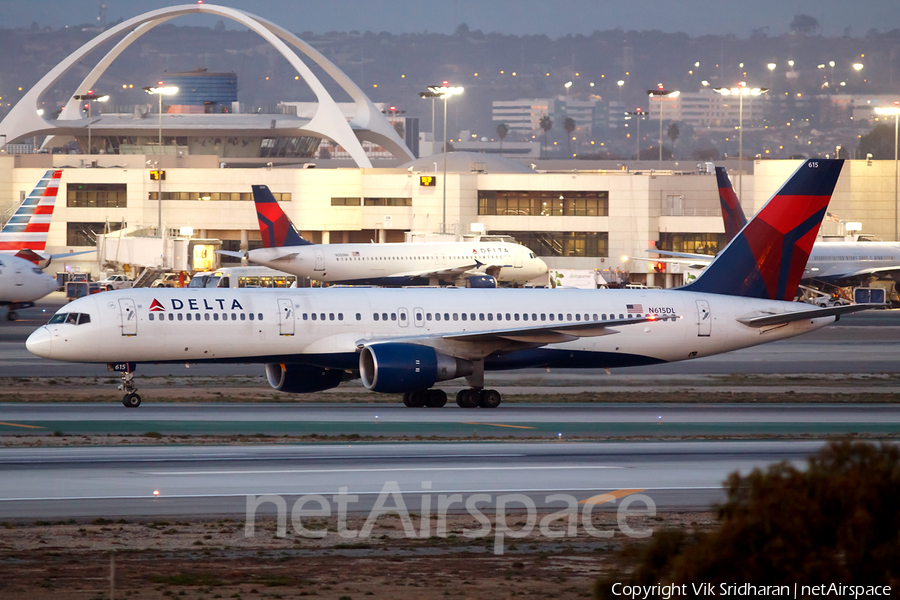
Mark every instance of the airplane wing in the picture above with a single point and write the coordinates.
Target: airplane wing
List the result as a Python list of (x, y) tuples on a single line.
[(675, 261), (440, 273), (231, 253), (800, 315), (285, 255), (701, 257), (538, 335)]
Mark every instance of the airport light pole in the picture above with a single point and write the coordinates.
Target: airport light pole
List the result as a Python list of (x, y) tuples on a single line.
[(661, 93), (894, 110), (160, 91), (90, 98), (638, 114), (444, 92), (740, 91), (432, 95)]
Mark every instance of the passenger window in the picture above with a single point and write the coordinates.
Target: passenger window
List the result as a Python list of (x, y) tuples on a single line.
[(568, 317), (206, 316), (481, 316), (234, 316), (621, 317), (171, 317), (455, 315), (314, 317), (251, 316), (358, 317), (305, 317), (243, 316), (196, 316), (464, 316), (331, 316), (603, 316), (490, 316), (189, 316), (402, 316), (150, 316), (534, 316), (418, 316), (508, 319), (393, 316), (375, 316), (517, 316), (259, 317), (543, 317), (340, 316), (551, 316), (215, 316), (321, 316), (428, 317), (577, 317), (629, 315), (595, 316), (560, 317), (437, 316), (384, 316), (446, 316), (84, 318)]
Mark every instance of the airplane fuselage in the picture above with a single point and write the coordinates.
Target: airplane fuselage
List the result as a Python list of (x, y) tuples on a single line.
[(403, 264), (22, 281), (327, 327), (837, 260)]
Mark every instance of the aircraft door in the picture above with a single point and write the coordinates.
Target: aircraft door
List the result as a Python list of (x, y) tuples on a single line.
[(517, 260), (285, 317), (704, 319), (320, 259), (403, 315), (128, 316), (419, 317)]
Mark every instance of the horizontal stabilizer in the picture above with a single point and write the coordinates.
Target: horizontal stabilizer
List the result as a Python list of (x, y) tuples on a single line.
[(802, 315)]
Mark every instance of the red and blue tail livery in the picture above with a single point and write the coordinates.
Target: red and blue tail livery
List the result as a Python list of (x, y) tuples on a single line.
[(767, 258), (274, 226), (29, 226), (732, 213)]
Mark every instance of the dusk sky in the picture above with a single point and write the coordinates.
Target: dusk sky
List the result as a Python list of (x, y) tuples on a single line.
[(554, 18)]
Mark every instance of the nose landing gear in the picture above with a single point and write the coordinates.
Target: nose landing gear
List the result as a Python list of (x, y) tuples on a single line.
[(131, 399)]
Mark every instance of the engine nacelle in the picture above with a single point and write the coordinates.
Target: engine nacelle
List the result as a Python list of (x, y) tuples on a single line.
[(397, 368), (302, 379), (481, 281)]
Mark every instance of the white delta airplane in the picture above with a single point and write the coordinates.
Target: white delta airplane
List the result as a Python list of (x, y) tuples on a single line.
[(838, 263), (22, 238), (468, 264), (404, 340)]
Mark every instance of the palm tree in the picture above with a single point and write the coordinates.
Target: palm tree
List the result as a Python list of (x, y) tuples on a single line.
[(502, 130), (673, 132), (569, 126), (546, 124)]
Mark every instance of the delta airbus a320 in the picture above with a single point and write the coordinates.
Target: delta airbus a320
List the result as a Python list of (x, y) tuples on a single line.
[(405, 340)]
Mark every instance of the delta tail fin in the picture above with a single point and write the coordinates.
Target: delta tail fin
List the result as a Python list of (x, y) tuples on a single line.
[(29, 226), (275, 226), (767, 258), (732, 213)]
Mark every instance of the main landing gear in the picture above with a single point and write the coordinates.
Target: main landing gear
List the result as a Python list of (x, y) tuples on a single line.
[(474, 397), (131, 399)]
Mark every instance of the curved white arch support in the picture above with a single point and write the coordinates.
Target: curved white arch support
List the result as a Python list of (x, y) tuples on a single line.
[(328, 122)]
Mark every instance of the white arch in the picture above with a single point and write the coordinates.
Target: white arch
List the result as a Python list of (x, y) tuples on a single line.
[(23, 120)]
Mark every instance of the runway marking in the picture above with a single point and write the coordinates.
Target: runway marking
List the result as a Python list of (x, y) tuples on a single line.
[(389, 470), (496, 425), (19, 425), (608, 496)]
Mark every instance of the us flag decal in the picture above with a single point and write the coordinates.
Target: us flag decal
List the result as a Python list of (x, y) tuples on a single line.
[(638, 308)]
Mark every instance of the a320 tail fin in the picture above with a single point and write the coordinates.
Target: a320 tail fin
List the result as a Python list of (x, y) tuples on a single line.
[(27, 229), (732, 213), (276, 229), (768, 257)]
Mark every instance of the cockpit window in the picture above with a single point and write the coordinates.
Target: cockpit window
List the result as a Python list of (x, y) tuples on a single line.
[(70, 318), (37, 270)]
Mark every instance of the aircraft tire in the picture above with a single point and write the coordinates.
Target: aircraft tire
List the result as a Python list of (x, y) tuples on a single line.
[(406, 400), (12, 315), (436, 399), (468, 398), (418, 398), (131, 400), (489, 399)]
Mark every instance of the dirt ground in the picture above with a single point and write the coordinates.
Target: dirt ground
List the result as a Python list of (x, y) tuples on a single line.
[(212, 558)]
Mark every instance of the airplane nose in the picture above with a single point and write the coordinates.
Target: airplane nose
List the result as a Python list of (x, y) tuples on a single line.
[(38, 343)]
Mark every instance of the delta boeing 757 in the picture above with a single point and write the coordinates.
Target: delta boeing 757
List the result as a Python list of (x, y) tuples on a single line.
[(405, 340)]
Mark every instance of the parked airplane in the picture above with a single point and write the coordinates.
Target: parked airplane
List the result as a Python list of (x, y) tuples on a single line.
[(839, 263), (392, 264), (405, 340), (21, 239)]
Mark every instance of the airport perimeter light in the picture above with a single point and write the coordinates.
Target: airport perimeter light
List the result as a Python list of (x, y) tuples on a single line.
[(90, 98), (740, 91), (444, 92), (432, 95), (895, 111), (638, 114), (661, 93), (161, 90)]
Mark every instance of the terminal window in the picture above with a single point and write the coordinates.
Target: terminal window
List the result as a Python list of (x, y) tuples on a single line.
[(345, 201), (563, 243), (543, 203), (695, 243), (208, 196), (86, 234), (97, 195), (387, 202)]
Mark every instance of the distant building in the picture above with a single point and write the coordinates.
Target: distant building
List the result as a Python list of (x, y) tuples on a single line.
[(201, 92)]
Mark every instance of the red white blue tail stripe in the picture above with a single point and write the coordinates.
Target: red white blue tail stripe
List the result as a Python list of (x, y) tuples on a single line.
[(28, 228)]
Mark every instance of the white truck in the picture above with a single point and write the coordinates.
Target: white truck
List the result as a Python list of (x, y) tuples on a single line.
[(116, 282)]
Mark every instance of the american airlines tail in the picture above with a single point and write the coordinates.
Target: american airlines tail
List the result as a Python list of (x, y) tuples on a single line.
[(25, 233), (275, 226), (732, 213), (767, 258)]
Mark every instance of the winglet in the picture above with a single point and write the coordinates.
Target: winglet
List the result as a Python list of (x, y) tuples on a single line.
[(275, 226), (732, 213), (768, 257), (29, 226)]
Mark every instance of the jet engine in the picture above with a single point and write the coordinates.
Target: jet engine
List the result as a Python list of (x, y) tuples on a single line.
[(481, 281), (396, 368), (302, 379)]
